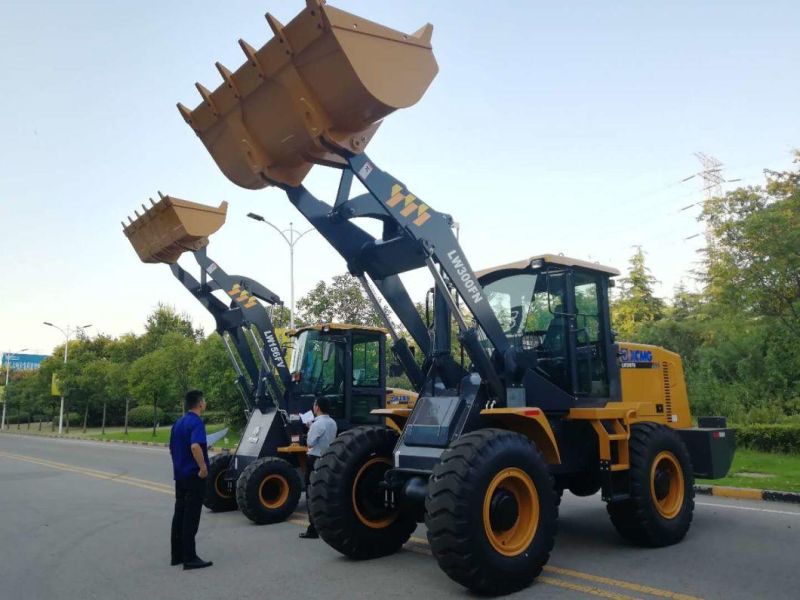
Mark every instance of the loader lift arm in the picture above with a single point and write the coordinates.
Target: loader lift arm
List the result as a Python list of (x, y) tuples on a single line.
[(351, 241), (414, 236), (235, 323)]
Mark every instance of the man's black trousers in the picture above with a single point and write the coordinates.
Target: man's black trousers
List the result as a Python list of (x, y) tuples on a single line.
[(310, 462), (189, 494)]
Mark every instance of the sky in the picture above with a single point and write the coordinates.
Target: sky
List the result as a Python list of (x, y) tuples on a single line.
[(551, 127)]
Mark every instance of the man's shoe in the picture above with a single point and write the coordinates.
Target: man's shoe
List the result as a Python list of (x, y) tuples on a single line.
[(309, 534), (176, 561), (197, 563)]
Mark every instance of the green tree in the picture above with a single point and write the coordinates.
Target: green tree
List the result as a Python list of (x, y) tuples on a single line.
[(152, 382), (213, 373), (636, 304), (341, 301), (165, 320), (753, 259)]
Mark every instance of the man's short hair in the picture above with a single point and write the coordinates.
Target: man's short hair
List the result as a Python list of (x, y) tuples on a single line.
[(323, 404), (193, 398)]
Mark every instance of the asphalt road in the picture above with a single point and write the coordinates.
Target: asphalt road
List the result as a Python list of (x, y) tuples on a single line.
[(86, 520)]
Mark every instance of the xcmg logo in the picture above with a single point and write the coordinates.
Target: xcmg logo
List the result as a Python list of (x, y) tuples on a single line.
[(629, 355), (411, 204), (242, 296)]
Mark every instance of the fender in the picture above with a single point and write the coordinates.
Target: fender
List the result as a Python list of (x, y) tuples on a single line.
[(530, 422)]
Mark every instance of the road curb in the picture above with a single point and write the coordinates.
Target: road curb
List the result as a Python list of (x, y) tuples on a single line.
[(748, 493)]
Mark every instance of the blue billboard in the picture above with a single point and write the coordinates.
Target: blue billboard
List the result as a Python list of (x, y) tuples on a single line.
[(23, 362)]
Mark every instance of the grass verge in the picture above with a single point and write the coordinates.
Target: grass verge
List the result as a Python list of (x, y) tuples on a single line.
[(762, 470), (161, 436)]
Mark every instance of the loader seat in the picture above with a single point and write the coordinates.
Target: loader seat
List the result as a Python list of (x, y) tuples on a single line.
[(552, 352)]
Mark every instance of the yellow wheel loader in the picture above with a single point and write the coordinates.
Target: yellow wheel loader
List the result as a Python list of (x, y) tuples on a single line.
[(549, 399), (344, 363)]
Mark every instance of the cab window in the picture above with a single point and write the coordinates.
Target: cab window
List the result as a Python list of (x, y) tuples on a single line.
[(366, 357), (590, 345)]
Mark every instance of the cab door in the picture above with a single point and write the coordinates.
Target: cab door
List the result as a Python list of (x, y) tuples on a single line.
[(588, 335), (367, 377)]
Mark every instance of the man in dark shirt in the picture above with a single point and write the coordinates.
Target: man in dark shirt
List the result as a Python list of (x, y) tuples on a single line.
[(187, 445)]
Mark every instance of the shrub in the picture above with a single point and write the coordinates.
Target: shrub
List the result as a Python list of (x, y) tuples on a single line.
[(210, 416), (784, 437), (214, 416), (142, 416), (13, 419), (75, 420)]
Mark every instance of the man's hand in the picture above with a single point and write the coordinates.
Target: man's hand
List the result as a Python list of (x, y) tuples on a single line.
[(197, 452)]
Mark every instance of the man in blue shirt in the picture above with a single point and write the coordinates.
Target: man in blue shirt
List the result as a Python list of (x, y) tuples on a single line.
[(189, 450)]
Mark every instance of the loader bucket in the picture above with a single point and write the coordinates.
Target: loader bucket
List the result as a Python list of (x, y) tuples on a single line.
[(171, 227), (317, 89)]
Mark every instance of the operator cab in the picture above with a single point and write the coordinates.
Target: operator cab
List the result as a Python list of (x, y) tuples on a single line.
[(554, 311), (344, 363)]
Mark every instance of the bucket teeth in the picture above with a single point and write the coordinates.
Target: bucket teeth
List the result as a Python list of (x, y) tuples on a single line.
[(424, 33), (250, 53), (160, 195), (227, 75), (206, 97), (185, 113), (277, 30), (314, 4)]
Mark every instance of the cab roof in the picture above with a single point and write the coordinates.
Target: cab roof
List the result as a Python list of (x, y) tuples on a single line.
[(550, 259), (337, 327)]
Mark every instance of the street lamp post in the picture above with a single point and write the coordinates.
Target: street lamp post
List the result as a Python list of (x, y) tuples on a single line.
[(291, 240), (66, 333), (9, 356)]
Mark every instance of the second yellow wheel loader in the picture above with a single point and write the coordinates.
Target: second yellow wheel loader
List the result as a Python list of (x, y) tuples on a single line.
[(264, 475), (550, 399)]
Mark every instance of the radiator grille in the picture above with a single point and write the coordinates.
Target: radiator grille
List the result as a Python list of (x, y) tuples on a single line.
[(667, 390)]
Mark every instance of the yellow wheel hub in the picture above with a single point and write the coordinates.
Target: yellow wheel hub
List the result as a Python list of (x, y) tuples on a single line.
[(219, 486), (273, 491), (515, 488), (367, 497), (667, 486)]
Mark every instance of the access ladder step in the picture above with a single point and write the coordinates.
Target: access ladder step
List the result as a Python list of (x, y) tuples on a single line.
[(620, 467)]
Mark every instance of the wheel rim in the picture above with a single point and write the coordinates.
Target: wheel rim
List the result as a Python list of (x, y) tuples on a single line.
[(273, 491), (368, 497), (219, 486), (667, 485), (511, 537)]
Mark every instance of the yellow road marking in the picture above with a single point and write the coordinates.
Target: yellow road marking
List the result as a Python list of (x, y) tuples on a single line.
[(636, 587), (89, 470), (627, 585), (577, 587), (417, 544), (104, 475)]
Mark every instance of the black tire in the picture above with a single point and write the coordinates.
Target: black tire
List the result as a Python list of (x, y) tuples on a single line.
[(346, 503), (466, 529), (217, 497), (659, 511), (268, 490)]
